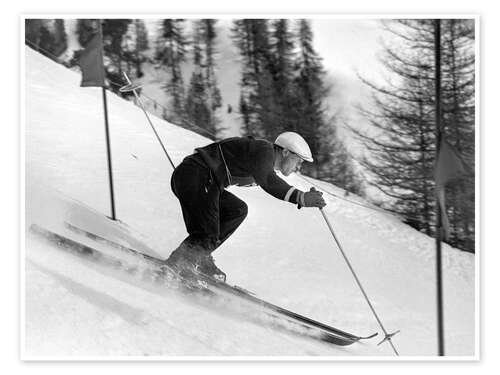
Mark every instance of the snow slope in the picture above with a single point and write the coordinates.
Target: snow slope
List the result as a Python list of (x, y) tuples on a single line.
[(77, 309)]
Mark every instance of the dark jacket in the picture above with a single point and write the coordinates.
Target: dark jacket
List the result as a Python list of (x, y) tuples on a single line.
[(244, 161)]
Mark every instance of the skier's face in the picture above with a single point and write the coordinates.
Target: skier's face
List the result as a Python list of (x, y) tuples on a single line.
[(291, 163)]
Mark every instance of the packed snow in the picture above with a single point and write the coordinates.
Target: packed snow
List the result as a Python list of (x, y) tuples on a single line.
[(77, 308)]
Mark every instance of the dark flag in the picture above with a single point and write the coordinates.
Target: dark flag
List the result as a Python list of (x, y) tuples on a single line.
[(92, 66), (91, 63), (449, 166)]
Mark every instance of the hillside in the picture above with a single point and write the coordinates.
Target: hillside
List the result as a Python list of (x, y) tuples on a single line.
[(284, 255)]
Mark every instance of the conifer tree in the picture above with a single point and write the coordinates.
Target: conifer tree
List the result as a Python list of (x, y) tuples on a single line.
[(282, 68), (204, 97), (214, 95), (118, 61), (170, 54), (32, 32), (333, 162), (257, 100), (46, 41), (60, 37), (142, 38), (197, 107), (47, 36), (134, 45), (458, 124), (401, 157), (282, 89)]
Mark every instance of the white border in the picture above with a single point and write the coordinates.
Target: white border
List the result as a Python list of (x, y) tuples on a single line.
[(478, 175), (266, 15), (22, 203)]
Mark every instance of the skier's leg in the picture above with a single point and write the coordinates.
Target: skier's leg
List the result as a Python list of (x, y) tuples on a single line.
[(232, 213), (198, 196)]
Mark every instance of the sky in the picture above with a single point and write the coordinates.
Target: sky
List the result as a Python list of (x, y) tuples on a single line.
[(348, 45)]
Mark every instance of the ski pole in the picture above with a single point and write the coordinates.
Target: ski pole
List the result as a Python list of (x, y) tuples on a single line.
[(130, 87), (388, 336)]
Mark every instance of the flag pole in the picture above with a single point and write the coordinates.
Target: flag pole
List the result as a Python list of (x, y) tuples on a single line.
[(93, 75), (108, 142), (439, 276), (108, 148)]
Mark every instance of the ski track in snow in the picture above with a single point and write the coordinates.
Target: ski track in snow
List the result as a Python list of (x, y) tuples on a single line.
[(285, 255), (160, 322)]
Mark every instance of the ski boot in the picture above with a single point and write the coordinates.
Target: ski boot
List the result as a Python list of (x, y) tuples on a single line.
[(185, 260), (208, 268)]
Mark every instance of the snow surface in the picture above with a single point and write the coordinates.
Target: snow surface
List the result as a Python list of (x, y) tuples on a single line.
[(78, 309)]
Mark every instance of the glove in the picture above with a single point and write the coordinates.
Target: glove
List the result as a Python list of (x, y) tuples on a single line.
[(312, 198)]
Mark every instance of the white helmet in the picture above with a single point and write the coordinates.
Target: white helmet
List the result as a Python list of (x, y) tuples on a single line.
[(294, 143)]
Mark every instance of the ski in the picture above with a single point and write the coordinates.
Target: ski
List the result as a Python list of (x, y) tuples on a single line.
[(185, 284), (236, 290), (88, 252), (340, 337), (199, 284)]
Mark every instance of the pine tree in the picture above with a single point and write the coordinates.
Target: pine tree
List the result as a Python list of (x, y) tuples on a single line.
[(134, 45), (458, 124), (118, 61), (170, 54), (32, 32), (46, 42), (214, 95), (333, 162), (47, 36), (60, 37), (402, 155), (282, 89), (142, 38), (282, 69), (203, 97), (257, 100), (197, 107)]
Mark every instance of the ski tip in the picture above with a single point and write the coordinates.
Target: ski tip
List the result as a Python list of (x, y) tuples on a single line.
[(369, 337)]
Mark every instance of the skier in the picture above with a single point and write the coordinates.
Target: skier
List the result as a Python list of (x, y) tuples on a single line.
[(210, 212)]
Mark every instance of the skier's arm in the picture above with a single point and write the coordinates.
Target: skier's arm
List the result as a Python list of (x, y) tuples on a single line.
[(312, 198), (266, 177)]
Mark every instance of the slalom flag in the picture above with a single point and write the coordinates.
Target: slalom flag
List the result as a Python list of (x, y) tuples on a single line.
[(91, 63), (449, 166), (92, 66)]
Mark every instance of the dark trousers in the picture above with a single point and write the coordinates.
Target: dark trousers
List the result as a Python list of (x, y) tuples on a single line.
[(210, 215)]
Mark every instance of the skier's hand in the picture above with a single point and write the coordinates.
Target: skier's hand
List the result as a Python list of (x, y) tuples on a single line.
[(314, 198)]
